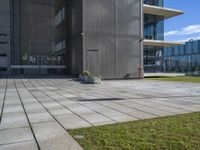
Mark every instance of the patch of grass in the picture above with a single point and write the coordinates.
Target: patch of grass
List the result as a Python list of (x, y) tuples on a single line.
[(180, 132), (177, 79)]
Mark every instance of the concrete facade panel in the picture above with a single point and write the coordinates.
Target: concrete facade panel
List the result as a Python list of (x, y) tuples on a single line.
[(113, 28)]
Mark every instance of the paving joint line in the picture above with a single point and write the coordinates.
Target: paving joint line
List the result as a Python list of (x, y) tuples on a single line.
[(47, 109), (121, 111), (154, 97), (145, 105), (4, 99), (38, 146), (141, 105), (43, 105), (63, 105), (175, 107), (43, 122), (181, 109), (15, 143), (14, 128), (87, 107), (116, 110), (129, 99)]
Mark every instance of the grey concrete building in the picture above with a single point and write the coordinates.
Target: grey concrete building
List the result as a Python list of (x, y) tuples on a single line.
[(4, 36), (70, 36), (105, 37)]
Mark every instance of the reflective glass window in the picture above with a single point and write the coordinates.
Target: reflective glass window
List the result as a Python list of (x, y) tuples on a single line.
[(154, 2), (153, 27), (39, 34), (189, 48), (176, 50), (195, 47)]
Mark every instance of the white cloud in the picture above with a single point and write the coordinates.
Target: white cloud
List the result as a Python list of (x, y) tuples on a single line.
[(171, 33), (192, 29), (188, 39)]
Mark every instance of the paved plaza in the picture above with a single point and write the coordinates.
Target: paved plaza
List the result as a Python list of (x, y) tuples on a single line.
[(36, 113)]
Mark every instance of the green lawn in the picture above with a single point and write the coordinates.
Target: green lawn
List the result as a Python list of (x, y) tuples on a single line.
[(180, 132), (178, 79)]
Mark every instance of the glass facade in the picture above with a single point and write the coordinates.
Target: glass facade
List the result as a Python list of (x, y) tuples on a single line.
[(152, 59), (154, 2), (153, 27), (153, 30), (38, 37), (183, 59)]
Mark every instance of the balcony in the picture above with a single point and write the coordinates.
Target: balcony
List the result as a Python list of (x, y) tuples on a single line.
[(161, 11), (158, 43)]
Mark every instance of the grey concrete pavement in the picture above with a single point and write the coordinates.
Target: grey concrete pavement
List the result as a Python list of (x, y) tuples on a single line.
[(36, 113)]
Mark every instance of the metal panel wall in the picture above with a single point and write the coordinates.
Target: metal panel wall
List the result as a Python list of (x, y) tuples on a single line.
[(75, 40), (113, 27), (5, 34), (99, 33), (92, 61), (128, 34)]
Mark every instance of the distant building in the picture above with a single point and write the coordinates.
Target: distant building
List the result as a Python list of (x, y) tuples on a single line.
[(185, 58)]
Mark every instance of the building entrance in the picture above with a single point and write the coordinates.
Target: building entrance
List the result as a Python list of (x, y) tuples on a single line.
[(3, 62)]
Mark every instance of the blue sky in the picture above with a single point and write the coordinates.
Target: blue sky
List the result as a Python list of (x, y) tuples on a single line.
[(186, 26)]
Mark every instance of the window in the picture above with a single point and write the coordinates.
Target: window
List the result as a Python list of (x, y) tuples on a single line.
[(154, 2)]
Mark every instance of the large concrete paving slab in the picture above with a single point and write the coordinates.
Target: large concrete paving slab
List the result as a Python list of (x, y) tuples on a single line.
[(13, 108), (72, 121), (94, 118), (15, 135), (36, 117), (38, 112), (13, 120), (51, 136), (29, 145)]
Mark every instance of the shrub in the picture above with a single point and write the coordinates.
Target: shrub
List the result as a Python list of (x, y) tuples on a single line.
[(86, 74)]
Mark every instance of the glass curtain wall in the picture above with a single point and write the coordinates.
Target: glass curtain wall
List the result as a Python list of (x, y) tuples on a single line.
[(153, 30), (154, 2), (183, 59), (38, 37), (152, 59), (153, 27)]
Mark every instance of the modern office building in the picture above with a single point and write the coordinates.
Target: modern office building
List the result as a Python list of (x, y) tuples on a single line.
[(69, 36), (105, 37), (35, 36), (154, 15), (184, 59)]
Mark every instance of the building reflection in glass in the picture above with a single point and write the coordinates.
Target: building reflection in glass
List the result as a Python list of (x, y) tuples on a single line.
[(185, 58), (38, 37), (154, 2), (153, 30)]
